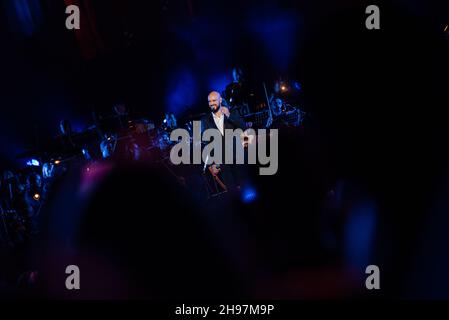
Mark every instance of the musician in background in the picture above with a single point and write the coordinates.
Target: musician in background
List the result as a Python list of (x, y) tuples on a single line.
[(170, 121), (119, 141), (275, 112), (236, 94), (278, 107), (279, 112)]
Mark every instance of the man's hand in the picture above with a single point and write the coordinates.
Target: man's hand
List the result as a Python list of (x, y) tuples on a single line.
[(247, 139), (214, 170), (225, 111)]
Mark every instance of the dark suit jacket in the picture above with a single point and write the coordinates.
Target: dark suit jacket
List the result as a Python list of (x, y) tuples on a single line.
[(233, 122)]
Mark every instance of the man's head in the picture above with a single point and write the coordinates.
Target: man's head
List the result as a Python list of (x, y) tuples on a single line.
[(237, 74), (279, 103), (34, 180), (65, 127), (215, 101)]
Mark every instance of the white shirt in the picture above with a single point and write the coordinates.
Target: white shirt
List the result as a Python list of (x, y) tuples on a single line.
[(219, 122)]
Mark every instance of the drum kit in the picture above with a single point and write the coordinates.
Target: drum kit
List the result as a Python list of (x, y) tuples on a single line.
[(110, 137)]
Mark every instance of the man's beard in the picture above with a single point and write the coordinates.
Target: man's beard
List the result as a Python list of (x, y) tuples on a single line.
[(214, 111)]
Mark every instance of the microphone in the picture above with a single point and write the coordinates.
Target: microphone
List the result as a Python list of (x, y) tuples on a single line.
[(205, 164)]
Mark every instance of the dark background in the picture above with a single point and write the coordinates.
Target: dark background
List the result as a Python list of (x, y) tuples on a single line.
[(167, 55), (378, 98)]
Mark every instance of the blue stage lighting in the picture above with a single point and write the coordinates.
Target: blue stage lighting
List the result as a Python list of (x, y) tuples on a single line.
[(33, 163), (297, 86), (249, 195)]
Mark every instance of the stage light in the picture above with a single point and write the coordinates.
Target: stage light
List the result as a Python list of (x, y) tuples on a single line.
[(297, 86), (36, 196), (33, 163), (57, 162), (249, 195)]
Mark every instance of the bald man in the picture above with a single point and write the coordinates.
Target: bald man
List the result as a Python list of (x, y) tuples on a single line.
[(220, 118)]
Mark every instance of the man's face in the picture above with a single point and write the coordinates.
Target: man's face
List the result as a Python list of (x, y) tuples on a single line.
[(278, 103), (214, 102), (235, 75)]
